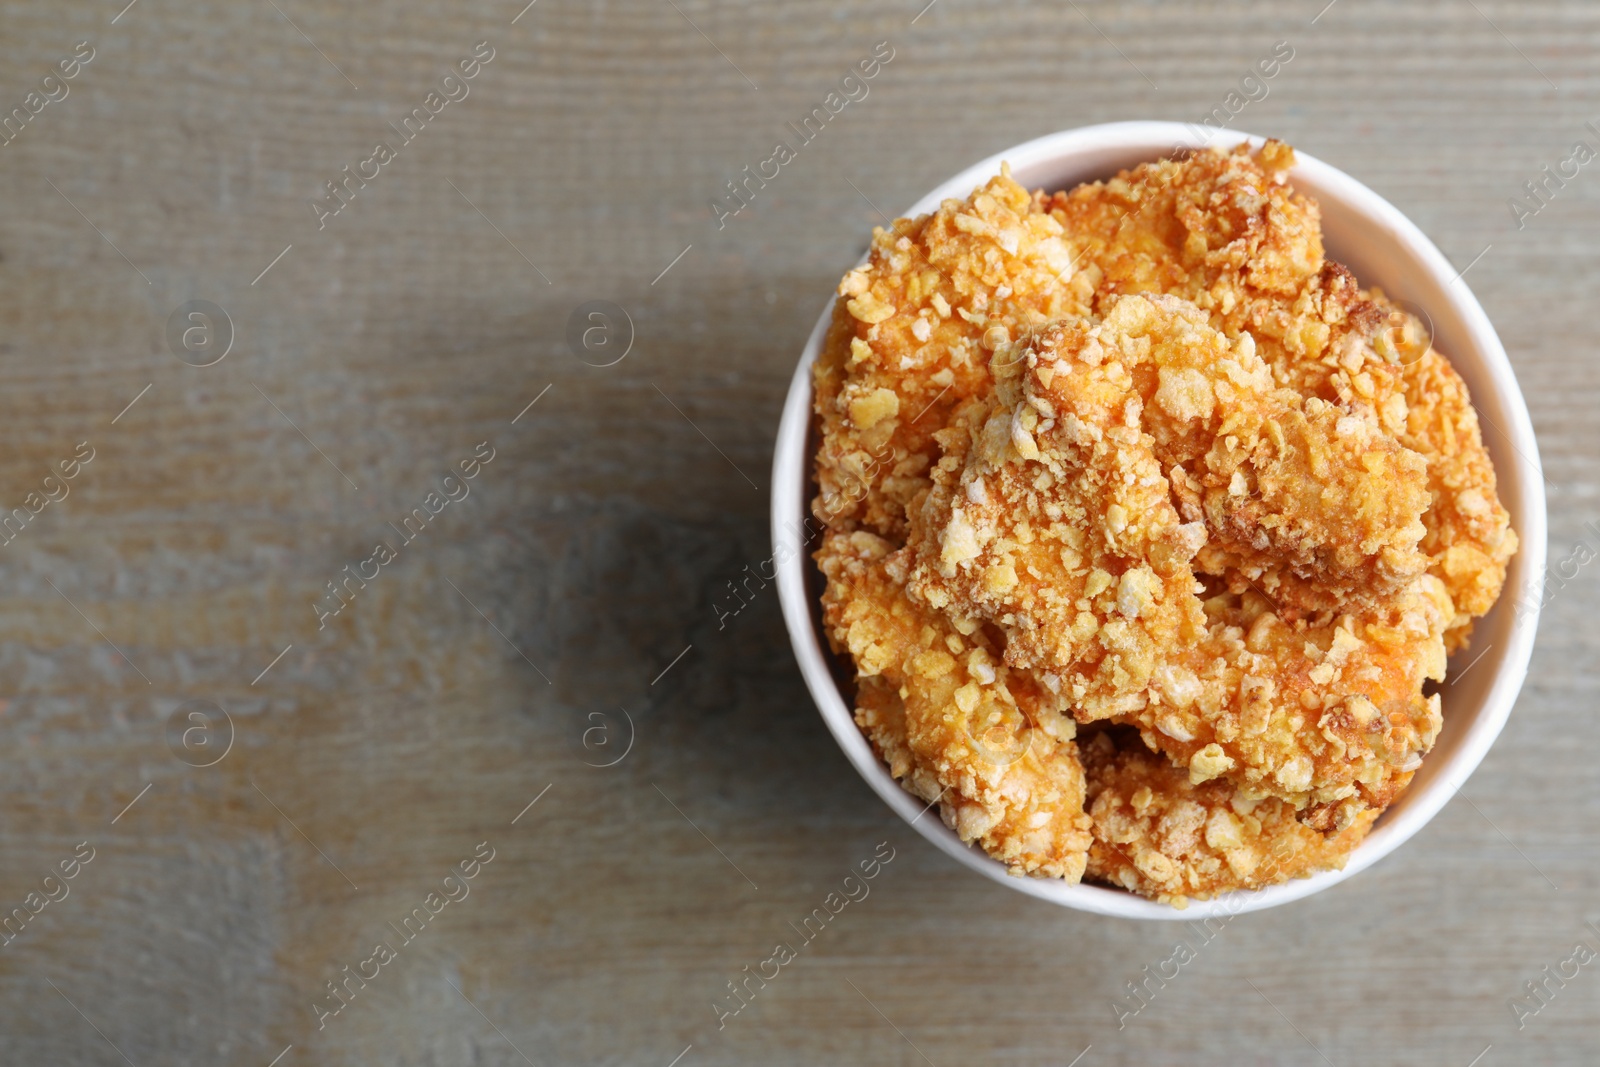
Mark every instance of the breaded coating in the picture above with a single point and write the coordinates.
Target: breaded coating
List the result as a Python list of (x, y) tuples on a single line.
[(1002, 779), (1469, 538), (1162, 836), (910, 342), (1060, 530), (1182, 226), (1138, 456), (1054, 521), (1315, 505), (881, 714), (1327, 713), (1225, 231)]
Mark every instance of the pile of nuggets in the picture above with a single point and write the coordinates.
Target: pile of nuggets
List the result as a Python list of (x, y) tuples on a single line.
[(1146, 526)]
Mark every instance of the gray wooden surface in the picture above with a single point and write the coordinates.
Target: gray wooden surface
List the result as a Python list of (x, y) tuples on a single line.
[(488, 662)]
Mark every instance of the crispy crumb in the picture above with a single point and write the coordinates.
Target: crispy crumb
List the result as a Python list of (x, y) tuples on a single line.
[(1160, 833), (959, 737), (1137, 456)]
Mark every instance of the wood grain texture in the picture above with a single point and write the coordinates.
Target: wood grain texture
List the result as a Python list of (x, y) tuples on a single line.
[(460, 682)]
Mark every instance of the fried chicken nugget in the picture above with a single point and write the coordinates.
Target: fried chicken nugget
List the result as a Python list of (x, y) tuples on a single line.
[(1316, 505), (1248, 589), (1059, 529), (1029, 525), (881, 714), (1162, 836), (1326, 713), (910, 341), (1225, 231), (1469, 538), (1413, 392), (1182, 226), (1002, 779), (1056, 524)]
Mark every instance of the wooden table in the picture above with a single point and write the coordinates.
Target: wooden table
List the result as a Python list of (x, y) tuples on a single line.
[(173, 605)]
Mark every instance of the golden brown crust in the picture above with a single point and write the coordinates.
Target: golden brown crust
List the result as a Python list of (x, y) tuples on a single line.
[(910, 343), (1138, 454), (1327, 713), (1225, 231), (1001, 777), (1180, 226), (1469, 537), (1059, 529), (1158, 834), (881, 714), (1050, 517)]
